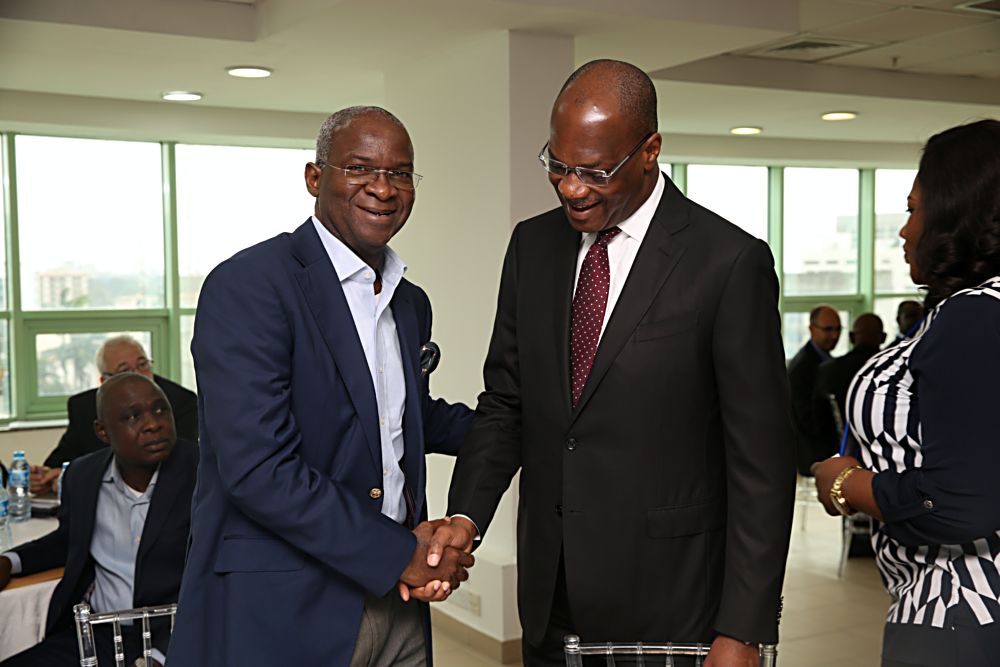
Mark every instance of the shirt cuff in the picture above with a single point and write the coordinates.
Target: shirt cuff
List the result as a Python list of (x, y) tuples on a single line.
[(469, 519), (158, 657), (15, 561)]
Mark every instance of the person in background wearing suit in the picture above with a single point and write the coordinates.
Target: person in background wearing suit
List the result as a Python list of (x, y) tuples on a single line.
[(636, 379), (909, 315), (118, 354), (316, 418), (811, 426), (123, 528), (834, 376)]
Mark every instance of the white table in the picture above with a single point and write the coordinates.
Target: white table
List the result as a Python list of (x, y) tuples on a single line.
[(23, 609)]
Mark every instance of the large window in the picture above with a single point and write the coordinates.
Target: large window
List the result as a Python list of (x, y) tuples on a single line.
[(229, 198), (821, 231), (891, 188), (122, 245), (738, 194), (92, 238)]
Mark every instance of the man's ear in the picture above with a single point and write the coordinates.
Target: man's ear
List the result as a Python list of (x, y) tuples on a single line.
[(102, 433), (312, 175)]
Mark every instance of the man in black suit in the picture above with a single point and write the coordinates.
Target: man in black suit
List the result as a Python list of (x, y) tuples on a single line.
[(119, 354), (123, 528), (810, 424), (635, 377)]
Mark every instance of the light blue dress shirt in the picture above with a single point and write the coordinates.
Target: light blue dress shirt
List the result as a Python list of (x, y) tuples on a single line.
[(377, 330)]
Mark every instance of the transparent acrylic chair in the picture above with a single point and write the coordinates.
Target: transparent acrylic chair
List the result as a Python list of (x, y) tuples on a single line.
[(657, 654), (85, 622)]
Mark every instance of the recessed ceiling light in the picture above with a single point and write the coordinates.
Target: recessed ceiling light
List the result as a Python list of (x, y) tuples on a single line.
[(181, 96), (745, 130), (839, 115), (249, 72)]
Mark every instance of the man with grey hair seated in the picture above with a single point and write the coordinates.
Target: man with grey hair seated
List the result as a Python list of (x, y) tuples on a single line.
[(118, 354)]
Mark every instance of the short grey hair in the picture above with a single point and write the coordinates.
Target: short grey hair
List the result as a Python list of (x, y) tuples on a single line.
[(113, 342), (342, 119)]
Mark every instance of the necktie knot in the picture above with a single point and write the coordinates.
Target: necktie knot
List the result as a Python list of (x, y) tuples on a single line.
[(605, 235)]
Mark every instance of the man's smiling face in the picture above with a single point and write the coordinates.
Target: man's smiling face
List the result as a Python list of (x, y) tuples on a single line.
[(366, 216)]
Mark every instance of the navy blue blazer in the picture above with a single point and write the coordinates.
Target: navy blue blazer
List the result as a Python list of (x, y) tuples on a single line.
[(287, 535)]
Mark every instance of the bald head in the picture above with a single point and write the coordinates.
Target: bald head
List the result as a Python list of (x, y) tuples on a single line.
[(116, 385), (868, 330), (824, 327), (908, 314), (613, 84)]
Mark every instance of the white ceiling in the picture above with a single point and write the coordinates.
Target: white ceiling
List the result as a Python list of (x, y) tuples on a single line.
[(330, 53)]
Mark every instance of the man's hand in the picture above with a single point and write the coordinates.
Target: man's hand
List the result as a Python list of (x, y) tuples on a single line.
[(43, 479), (826, 472), (729, 652), (5, 567), (457, 533), (435, 580)]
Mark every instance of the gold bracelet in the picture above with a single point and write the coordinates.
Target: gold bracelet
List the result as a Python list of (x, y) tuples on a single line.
[(837, 491)]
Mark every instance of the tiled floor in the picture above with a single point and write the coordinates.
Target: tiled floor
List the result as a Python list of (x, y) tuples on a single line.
[(827, 622)]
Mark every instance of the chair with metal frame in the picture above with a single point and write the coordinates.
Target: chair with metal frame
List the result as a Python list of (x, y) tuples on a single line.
[(574, 652), (85, 621)]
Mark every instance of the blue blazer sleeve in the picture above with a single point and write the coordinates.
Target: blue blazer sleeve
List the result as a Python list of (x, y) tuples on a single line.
[(953, 497)]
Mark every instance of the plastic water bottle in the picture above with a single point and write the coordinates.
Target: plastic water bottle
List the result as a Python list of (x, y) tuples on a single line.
[(20, 478), (62, 473), (6, 539)]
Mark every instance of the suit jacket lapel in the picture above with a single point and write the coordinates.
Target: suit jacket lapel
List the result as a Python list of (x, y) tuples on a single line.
[(85, 514), (322, 290), (657, 257), (407, 332)]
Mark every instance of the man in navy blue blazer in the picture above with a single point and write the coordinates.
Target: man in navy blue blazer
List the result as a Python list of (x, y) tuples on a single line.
[(315, 417)]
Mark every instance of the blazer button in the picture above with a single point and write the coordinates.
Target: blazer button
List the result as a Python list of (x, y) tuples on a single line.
[(571, 444), (559, 510), (375, 493)]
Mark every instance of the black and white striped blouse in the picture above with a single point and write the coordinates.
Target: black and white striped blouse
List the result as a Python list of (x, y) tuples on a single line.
[(927, 415)]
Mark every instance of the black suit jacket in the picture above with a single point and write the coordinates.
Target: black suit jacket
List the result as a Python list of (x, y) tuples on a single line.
[(811, 416), (80, 439), (669, 488), (160, 560)]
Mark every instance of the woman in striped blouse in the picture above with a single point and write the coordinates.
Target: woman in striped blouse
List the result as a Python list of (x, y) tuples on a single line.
[(927, 415)]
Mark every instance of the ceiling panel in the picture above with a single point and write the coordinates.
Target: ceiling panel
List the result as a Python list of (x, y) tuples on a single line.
[(893, 56), (817, 15), (905, 24)]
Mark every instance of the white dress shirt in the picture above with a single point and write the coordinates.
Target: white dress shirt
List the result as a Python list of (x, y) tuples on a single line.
[(623, 247), (377, 330)]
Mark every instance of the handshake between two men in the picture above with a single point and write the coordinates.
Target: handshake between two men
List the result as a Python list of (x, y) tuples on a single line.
[(441, 560)]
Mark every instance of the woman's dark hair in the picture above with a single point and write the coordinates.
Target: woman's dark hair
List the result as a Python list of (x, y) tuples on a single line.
[(959, 179)]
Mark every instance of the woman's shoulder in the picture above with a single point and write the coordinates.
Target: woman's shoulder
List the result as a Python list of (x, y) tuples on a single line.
[(969, 317)]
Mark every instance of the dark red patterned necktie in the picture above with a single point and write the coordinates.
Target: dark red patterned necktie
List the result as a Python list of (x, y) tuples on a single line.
[(589, 304)]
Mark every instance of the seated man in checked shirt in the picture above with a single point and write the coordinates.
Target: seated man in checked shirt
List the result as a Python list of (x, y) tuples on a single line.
[(123, 526)]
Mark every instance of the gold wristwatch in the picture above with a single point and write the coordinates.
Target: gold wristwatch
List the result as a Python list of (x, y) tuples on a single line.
[(837, 491)]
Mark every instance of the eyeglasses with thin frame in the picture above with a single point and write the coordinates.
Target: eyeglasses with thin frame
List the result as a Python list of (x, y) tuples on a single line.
[(142, 366), (360, 174), (587, 176)]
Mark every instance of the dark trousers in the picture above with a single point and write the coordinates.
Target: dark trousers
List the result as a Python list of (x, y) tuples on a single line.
[(550, 652), (965, 644), (59, 649)]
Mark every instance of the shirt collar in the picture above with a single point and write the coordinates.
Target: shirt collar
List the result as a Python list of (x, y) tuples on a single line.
[(635, 225), (113, 476), (820, 351), (348, 265)]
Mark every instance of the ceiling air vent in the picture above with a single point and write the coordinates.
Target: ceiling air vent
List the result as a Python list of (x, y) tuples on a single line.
[(983, 6), (807, 48)]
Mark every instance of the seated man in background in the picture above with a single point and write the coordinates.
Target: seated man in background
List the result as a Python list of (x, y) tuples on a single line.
[(807, 425), (130, 512), (118, 354)]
